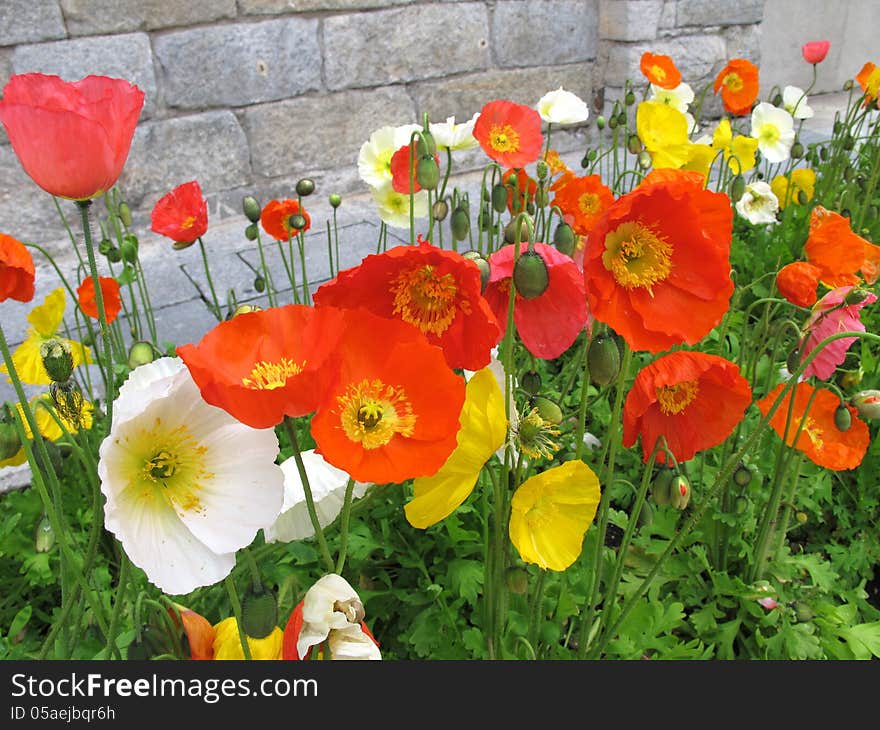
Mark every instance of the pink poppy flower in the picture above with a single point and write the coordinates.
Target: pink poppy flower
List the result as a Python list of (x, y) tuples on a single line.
[(830, 316), (549, 323), (815, 51)]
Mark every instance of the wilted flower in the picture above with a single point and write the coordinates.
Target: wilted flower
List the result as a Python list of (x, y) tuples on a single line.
[(758, 204)]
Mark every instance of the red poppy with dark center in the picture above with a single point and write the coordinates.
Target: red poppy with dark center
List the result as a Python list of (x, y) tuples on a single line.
[(692, 399), (819, 439), (292, 630), (738, 83), (838, 252), (521, 190), (393, 412), (585, 199), (660, 70), (797, 282), (16, 270), (657, 265), (276, 216), (509, 133), (434, 290), (109, 292), (400, 169), (549, 323), (262, 366), (182, 214)]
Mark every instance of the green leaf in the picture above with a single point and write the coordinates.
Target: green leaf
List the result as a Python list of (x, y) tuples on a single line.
[(466, 577), (19, 622), (863, 639)]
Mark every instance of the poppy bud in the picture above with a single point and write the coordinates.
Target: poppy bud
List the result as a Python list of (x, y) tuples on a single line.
[(10, 443), (427, 173), (125, 214), (629, 99), (530, 382), (517, 580), (803, 611), (600, 122), (305, 186), (740, 505), (855, 296), (439, 210), (297, 221), (634, 144), (801, 517), (743, 475), (548, 410), (737, 188), (797, 150), (335, 200), (793, 360), (541, 197), (563, 239), (44, 535), (679, 492), (426, 145), (482, 264), (777, 99), (128, 249), (460, 223), (867, 402), (524, 230), (114, 257), (603, 359), (541, 169), (259, 612), (621, 119), (660, 485), (847, 85), (530, 275), (802, 198), (585, 161), (104, 246), (646, 515), (260, 284), (842, 418), (251, 208), (57, 359), (499, 197), (140, 353), (612, 122), (645, 159), (251, 232)]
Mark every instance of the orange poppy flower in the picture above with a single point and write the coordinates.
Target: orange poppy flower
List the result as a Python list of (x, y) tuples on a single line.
[(393, 412), (693, 399), (838, 252), (16, 270), (738, 82), (660, 70), (198, 630), (509, 133), (797, 282), (555, 163), (525, 187), (585, 199), (657, 264), (819, 439), (182, 214), (437, 291), (276, 216), (400, 170), (85, 293), (869, 80), (261, 366)]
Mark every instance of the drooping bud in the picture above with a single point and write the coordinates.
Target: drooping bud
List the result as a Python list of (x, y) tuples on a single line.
[(69, 401), (541, 169), (104, 246), (542, 197), (855, 296), (742, 475), (563, 238), (10, 443), (525, 228), (793, 360), (679, 492), (777, 99), (439, 210), (645, 159), (603, 359), (499, 197), (426, 145), (646, 515), (842, 418), (530, 382), (251, 232), (737, 188), (113, 255), (600, 122), (517, 580), (251, 208), (482, 264), (548, 410), (128, 249), (125, 214), (629, 99), (867, 403), (427, 173), (660, 485), (57, 359), (460, 223), (259, 612), (621, 119), (335, 200), (634, 144), (141, 353), (44, 535), (530, 275), (797, 150), (305, 186)]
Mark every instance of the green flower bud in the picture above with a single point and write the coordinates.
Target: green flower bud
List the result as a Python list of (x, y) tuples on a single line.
[(105, 246), (547, 409), (260, 284), (740, 505), (803, 612), (629, 99), (563, 239), (541, 197), (823, 154), (259, 612), (585, 161), (855, 296), (57, 359), (251, 232), (645, 159), (743, 475), (426, 145), (797, 150), (867, 403), (634, 144), (499, 197), (612, 122), (801, 517), (482, 264), (776, 100), (737, 188), (517, 580), (305, 186), (44, 535), (439, 210), (600, 122), (460, 223), (125, 214), (530, 275), (679, 492), (541, 169), (297, 222), (660, 485), (251, 208), (793, 360), (621, 119), (427, 173), (129, 249), (842, 418), (113, 255), (802, 198), (646, 515), (10, 443), (847, 85), (140, 353), (335, 200), (530, 382), (603, 359), (524, 230)]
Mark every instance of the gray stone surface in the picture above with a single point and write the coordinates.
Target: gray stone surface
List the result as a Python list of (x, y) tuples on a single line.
[(404, 44), (744, 42), (696, 56), (544, 32), (95, 17), (27, 21), (711, 12), (273, 7), (209, 147), (629, 20), (5, 73), (667, 15), (126, 56), (239, 64), (333, 126)]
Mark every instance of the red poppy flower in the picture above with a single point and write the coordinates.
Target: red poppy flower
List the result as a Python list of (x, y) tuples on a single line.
[(585, 199), (692, 399), (393, 413), (815, 51), (276, 216), (837, 251), (71, 138), (110, 293), (657, 265), (182, 214), (660, 70), (261, 366), (509, 133), (437, 291), (400, 170), (16, 270), (520, 188), (819, 439), (549, 323), (797, 282), (738, 82)]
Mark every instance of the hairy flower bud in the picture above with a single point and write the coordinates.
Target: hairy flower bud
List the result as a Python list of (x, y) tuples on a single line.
[(548, 410), (259, 612), (660, 485), (44, 535), (679, 492), (251, 208), (251, 232), (439, 210), (482, 264), (563, 239), (743, 475), (867, 403), (305, 186), (530, 275), (335, 200), (499, 197), (460, 223), (125, 214), (603, 359), (57, 359), (427, 173), (530, 382), (141, 353), (10, 443)]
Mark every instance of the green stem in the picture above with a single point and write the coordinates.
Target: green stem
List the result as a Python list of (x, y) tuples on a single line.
[(236, 611), (582, 407), (216, 302), (343, 529), (537, 610), (121, 587)]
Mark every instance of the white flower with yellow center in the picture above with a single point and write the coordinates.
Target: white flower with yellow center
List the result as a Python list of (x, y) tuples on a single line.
[(758, 204), (774, 130), (678, 98), (562, 107), (795, 102), (394, 207), (374, 158), (455, 136), (186, 484)]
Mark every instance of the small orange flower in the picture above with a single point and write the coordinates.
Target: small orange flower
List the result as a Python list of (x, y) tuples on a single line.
[(797, 282), (276, 216), (110, 293), (819, 439), (509, 133), (555, 163), (521, 190), (869, 80), (738, 82), (660, 70), (839, 253), (16, 270), (585, 199), (198, 630)]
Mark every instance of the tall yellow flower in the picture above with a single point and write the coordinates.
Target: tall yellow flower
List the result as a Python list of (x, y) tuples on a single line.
[(739, 150), (45, 321), (41, 406), (483, 431), (664, 132), (786, 190)]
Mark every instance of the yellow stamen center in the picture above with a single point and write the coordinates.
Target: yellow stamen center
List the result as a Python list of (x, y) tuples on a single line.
[(872, 85), (636, 256), (733, 81), (271, 375), (426, 299), (769, 134), (589, 203), (542, 514), (503, 138), (658, 73), (813, 432), (371, 413), (675, 398), (534, 436), (188, 222)]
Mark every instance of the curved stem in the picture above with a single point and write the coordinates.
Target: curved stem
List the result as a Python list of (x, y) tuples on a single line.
[(343, 528), (216, 302), (236, 611)]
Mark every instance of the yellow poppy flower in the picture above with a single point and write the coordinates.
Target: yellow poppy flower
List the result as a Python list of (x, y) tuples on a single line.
[(550, 514), (664, 132), (802, 179), (227, 644), (47, 425), (739, 151), (483, 430), (45, 321), (700, 158)]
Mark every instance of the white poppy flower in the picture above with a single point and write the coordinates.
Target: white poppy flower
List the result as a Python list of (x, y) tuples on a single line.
[(186, 484), (774, 130), (394, 207), (374, 158), (455, 136), (758, 203), (678, 98), (795, 102), (328, 486), (562, 107)]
